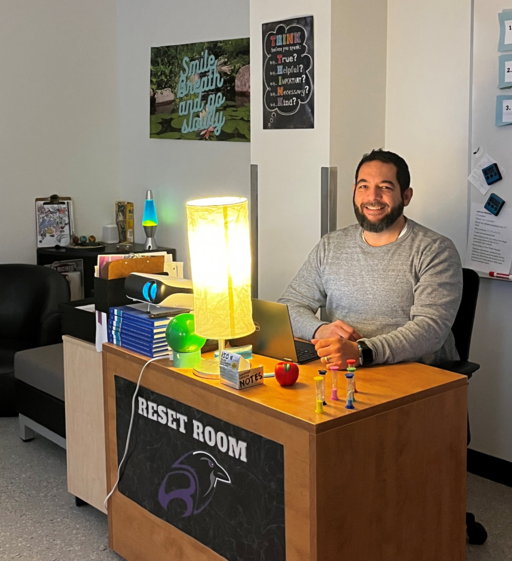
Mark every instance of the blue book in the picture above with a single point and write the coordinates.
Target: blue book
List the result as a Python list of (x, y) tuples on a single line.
[(145, 352), (123, 321), (139, 317), (140, 342), (135, 331)]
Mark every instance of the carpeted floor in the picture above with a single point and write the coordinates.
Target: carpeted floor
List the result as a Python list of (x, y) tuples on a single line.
[(40, 522), (38, 518), (491, 503)]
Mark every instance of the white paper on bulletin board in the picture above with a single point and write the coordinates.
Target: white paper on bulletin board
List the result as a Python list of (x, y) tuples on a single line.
[(490, 240), (486, 137), (476, 177)]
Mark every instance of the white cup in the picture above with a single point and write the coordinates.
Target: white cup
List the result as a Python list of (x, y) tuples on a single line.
[(110, 233)]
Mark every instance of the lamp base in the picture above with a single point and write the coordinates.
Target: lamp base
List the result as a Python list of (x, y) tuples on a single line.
[(150, 243), (186, 360), (208, 368), (150, 237)]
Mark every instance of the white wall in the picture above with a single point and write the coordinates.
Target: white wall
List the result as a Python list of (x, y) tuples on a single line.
[(427, 107), (60, 121), (358, 90), (289, 161), (427, 121), (58, 116), (176, 170)]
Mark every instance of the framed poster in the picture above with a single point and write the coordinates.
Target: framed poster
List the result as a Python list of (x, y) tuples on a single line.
[(288, 74), (201, 91), (54, 222)]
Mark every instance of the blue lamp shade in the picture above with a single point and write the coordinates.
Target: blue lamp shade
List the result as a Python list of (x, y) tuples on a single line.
[(149, 217)]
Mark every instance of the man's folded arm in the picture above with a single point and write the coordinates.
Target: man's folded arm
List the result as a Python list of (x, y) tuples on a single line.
[(437, 297), (305, 295)]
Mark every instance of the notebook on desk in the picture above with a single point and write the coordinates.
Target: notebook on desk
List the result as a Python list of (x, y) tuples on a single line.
[(273, 336)]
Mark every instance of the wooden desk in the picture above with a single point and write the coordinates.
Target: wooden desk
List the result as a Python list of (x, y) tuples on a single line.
[(385, 482)]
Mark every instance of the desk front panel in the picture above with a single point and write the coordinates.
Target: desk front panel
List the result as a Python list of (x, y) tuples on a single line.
[(392, 487), (135, 533)]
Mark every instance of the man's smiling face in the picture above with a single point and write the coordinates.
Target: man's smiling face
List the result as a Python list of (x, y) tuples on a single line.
[(378, 201)]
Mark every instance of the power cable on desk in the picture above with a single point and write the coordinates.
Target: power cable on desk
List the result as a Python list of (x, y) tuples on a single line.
[(130, 427)]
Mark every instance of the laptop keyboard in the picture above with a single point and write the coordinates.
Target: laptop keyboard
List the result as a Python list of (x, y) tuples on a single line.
[(306, 354)]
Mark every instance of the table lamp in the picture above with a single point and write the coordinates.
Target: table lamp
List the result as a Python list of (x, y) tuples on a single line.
[(150, 221), (220, 258)]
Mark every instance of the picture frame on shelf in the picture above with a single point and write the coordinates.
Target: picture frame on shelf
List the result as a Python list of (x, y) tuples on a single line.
[(54, 221)]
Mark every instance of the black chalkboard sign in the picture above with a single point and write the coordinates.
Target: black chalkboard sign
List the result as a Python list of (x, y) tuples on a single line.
[(288, 74), (218, 483)]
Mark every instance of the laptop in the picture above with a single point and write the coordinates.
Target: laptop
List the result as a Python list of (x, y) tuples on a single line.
[(273, 336)]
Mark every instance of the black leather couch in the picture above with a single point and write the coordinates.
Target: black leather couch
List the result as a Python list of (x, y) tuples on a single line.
[(29, 318)]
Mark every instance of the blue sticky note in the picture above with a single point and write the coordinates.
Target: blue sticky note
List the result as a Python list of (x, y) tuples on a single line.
[(505, 71), (503, 110), (505, 43)]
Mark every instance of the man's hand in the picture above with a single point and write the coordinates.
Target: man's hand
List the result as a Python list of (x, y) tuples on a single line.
[(336, 351), (337, 328)]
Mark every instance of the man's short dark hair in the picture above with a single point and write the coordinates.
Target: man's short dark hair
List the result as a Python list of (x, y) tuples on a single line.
[(402, 169)]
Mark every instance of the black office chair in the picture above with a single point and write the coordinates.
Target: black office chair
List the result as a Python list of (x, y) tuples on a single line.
[(462, 329)]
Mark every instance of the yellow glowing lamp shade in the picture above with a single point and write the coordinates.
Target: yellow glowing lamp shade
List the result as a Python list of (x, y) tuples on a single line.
[(220, 257)]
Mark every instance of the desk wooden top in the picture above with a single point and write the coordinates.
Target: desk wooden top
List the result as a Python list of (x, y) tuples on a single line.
[(380, 388)]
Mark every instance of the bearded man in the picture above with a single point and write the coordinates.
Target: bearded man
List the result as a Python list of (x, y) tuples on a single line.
[(391, 287)]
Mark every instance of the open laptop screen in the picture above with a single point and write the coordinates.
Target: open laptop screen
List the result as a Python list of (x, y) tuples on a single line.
[(273, 336)]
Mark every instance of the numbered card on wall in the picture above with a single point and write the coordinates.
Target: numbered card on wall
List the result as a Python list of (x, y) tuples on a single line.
[(505, 71), (503, 110), (505, 18)]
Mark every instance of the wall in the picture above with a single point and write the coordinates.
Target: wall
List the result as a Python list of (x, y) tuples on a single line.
[(59, 131), (58, 116), (176, 171), (491, 387), (428, 122), (358, 90), (427, 107), (289, 161)]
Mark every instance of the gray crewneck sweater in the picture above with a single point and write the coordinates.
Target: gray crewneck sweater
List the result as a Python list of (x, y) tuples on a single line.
[(401, 297)]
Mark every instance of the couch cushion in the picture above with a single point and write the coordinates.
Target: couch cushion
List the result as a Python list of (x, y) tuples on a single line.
[(42, 368)]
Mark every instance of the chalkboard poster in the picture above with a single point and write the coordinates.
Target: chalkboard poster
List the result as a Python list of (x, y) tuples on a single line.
[(218, 483), (288, 74)]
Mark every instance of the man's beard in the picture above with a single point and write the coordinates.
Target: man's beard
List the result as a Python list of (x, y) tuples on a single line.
[(384, 223)]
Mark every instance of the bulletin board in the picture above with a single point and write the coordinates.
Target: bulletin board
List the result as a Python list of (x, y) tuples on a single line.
[(489, 236)]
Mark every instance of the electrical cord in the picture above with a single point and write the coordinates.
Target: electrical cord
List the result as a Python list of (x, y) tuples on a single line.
[(105, 502)]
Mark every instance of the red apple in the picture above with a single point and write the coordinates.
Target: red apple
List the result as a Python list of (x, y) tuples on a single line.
[(286, 373)]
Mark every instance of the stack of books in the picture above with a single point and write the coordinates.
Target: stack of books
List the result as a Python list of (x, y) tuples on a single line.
[(134, 330)]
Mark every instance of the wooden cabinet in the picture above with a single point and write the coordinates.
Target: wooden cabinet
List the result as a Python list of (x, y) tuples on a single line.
[(85, 422)]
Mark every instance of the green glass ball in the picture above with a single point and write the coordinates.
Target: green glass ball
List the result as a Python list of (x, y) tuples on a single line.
[(181, 334)]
